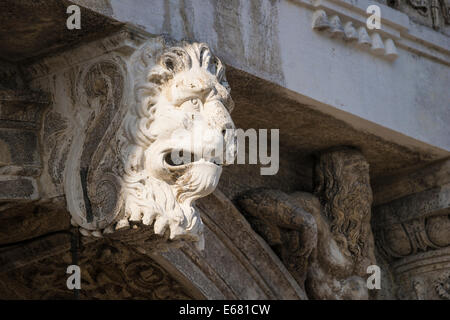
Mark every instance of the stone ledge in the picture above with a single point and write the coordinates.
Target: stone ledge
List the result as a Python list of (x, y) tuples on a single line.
[(419, 205), (418, 179)]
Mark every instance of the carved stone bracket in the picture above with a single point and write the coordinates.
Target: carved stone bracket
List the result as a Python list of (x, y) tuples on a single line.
[(116, 118), (109, 270)]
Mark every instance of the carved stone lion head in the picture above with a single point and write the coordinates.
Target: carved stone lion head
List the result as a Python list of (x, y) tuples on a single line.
[(169, 145)]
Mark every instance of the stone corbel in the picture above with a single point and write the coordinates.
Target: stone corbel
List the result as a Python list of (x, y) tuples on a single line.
[(117, 115)]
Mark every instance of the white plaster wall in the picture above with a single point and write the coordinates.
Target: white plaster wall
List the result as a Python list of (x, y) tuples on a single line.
[(410, 95)]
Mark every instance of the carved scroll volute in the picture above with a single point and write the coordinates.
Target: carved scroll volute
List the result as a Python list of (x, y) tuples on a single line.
[(93, 186)]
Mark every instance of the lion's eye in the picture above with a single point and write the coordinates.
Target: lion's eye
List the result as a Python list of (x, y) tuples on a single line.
[(193, 104)]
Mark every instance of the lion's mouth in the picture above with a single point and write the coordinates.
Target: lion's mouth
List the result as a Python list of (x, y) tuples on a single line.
[(176, 160)]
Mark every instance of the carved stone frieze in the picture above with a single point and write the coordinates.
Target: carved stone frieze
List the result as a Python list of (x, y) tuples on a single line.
[(109, 270), (235, 264)]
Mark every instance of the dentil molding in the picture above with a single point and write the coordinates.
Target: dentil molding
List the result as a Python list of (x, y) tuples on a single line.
[(397, 29)]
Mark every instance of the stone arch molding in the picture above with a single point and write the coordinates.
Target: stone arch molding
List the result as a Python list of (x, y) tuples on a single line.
[(129, 113)]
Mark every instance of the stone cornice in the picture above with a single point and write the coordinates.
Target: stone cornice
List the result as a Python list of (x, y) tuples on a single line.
[(419, 179), (415, 206)]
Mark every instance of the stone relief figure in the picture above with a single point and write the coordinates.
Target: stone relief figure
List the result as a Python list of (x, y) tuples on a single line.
[(179, 105), (345, 247), (330, 253)]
